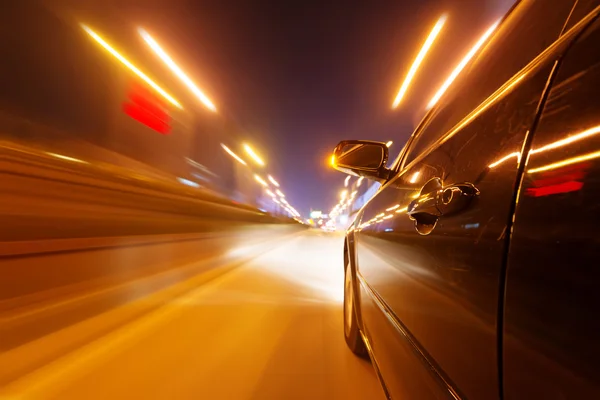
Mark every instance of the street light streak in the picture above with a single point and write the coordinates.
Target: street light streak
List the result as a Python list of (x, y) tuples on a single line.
[(176, 70), (254, 156), (417, 62), (393, 208), (347, 180), (388, 144), (129, 65), (279, 193), (463, 63), (273, 181), (261, 180), (232, 154), (270, 193)]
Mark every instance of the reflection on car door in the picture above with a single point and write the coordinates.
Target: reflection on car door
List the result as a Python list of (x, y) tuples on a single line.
[(437, 278), (551, 325)]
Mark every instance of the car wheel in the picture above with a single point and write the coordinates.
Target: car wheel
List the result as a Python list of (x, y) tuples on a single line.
[(351, 332)]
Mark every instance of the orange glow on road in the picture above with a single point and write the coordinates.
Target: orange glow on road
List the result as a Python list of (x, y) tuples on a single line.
[(176, 70), (462, 65), (420, 57), (129, 65)]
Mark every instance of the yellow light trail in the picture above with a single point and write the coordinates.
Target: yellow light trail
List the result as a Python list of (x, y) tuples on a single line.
[(261, 180), (254, 156), (232, 154), (417, 62), (129, 65), (568, 161), (462, 65), (176, 70), (273, 181)]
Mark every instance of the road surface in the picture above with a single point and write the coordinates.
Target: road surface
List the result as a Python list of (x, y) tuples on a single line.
[(270, 328)]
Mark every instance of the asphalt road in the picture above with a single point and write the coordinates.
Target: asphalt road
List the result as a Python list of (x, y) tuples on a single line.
[(270, 328)]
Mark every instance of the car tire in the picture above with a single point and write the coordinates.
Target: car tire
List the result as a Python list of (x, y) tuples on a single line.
[(351, 331)]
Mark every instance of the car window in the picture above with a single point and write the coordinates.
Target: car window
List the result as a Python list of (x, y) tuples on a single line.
[(529, 29)]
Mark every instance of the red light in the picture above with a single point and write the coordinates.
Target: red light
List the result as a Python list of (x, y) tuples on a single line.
[(147, 109), (566, 187), (559, 181)]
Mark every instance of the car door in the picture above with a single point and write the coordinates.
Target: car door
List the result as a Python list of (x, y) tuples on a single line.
[(430, 284), (551, 325)]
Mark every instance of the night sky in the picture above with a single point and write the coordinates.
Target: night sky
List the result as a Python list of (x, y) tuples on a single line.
[(300, 76)]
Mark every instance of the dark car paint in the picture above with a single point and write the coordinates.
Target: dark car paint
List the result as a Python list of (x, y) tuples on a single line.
[(551, 324), (428, 311)]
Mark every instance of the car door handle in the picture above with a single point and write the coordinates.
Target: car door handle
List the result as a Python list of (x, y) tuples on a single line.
[(442, 200)]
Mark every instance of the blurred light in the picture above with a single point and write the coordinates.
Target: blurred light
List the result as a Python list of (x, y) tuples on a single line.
[(393, 208), (284, 201), (415, 177), (559, 143), (563, 142), (232, 154), (388, 217), (462, 64), (566, 187), (379, 216), (176, 70), (270, 193), (260, 180), (405, 209), (188, 182), (129, 65), (67, 158), (276, 201), (353, 195), (273, 181), (343, 194), (279, 193), (152, 117), (388, 144), (315, 214), (254, 156), (359, 181), (568, 161), (415, 66), (500, 161), (347, 180), (332, 161)]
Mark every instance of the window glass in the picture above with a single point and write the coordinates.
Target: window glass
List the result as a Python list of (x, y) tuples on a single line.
[(529, 29)]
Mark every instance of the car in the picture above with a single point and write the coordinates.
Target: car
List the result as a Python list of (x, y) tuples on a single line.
[(473, 271)]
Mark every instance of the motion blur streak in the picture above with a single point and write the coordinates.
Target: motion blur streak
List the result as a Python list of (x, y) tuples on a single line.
[(232, 154), (420, 57), (563, 163), (176, 70), (129, 65), (261, 180), (462, 64), (260, 330), (273, 181), (253, 154)]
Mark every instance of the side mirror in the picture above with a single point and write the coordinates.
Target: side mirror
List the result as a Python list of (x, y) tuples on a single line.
[(362, 158)]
